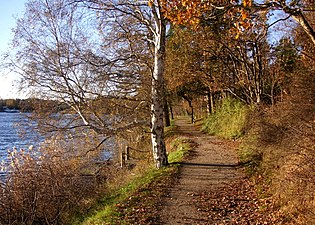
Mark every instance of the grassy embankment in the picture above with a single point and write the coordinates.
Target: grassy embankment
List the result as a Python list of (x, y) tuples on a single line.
[(278, 152), (228, 121), (135, 200)]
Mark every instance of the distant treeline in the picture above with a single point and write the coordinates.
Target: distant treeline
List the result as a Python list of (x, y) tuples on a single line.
[(29, 105)]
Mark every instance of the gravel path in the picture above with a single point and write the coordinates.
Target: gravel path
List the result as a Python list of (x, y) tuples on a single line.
[(212, 166)]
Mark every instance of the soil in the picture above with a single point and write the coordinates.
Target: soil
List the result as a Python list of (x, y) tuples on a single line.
[(212, 188)]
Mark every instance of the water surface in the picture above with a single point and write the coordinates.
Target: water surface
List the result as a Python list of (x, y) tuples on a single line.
[(13, 134)]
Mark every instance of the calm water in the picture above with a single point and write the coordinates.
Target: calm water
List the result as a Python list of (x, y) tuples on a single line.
[(11, 134), (11, 131)]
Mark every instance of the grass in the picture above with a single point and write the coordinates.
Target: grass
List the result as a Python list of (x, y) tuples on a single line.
[(228, 121), (124, 204), (181, 148), (108, 212)]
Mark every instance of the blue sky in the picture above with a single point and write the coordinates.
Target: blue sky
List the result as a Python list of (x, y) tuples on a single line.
[(9, 10)]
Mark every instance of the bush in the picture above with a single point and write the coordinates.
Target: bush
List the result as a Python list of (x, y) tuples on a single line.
[(45, 188)]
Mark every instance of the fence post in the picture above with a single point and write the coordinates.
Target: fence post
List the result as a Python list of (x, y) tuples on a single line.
[(122, 159), (127, 153)]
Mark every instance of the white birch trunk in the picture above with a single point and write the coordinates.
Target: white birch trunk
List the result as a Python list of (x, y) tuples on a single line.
[(157, 125)]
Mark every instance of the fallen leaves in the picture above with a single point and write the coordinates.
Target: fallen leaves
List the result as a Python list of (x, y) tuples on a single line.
[(230, 204), (236, 203), (143, 207)]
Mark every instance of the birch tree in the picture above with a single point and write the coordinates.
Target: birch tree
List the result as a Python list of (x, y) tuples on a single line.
[(159, 150), (62, 54), (149, 16), (95, 55)]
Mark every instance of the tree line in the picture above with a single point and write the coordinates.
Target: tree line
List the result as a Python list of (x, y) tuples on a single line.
[(29, 105)]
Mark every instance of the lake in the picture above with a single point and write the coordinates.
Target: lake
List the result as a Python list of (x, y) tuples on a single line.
[(10, 136), (9, 133)]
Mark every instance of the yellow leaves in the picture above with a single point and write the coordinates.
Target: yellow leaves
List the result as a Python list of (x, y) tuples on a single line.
[(237, 36), (187, 12), (190, 13), (242, 21), (247, 3), (184, 3), (179, 19)]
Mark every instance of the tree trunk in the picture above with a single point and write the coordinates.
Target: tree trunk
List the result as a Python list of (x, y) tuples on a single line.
[(172, 113), (192, 109), (192, 115), (210, 105), (157, 125), (272, 94), (166, 114)]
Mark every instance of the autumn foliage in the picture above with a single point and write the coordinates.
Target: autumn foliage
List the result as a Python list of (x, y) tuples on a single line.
[(193, 13), (185, 11)]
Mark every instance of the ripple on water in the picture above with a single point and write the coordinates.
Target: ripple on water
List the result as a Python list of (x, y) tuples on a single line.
[(9, 133)]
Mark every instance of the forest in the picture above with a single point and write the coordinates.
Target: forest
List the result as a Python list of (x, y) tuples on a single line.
[(113, 74)]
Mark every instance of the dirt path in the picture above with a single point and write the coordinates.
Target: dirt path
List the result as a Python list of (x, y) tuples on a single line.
[(210, 189), (211, 166)]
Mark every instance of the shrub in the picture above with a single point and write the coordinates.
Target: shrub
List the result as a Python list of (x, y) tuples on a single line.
[(46, 188)]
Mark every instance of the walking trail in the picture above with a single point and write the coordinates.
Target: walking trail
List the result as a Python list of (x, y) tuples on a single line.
[(211, 189)]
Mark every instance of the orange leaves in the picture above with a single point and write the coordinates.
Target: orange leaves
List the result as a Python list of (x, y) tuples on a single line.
[(191, 12), (186, 12), (244, 14), (247, 3), (243, 21)]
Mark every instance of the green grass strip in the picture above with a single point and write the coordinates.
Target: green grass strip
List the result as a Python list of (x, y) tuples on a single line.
[(106, 212)]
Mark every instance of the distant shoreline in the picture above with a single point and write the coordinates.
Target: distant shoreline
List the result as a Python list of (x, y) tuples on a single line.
[(10, 111)]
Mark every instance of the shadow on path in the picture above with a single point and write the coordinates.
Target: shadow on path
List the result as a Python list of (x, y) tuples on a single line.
[(209, 165)]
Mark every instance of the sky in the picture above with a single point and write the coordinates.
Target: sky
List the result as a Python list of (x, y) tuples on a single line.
[(9, 10)]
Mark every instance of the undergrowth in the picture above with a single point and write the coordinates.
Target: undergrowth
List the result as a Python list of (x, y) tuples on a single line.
[(277, 149)]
